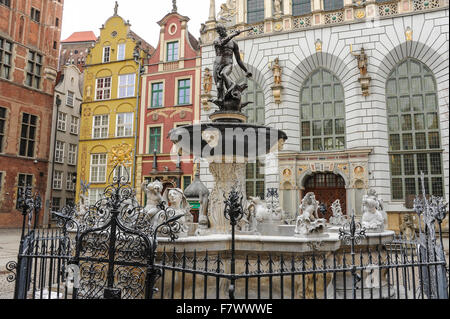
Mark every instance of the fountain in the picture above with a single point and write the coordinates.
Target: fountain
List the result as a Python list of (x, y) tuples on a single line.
[(228, 143)]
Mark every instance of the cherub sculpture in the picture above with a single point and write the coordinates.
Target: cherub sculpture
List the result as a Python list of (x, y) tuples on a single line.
[(374, 217), (309, 222)]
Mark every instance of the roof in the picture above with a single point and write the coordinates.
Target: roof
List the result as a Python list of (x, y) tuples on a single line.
[(83, 36)]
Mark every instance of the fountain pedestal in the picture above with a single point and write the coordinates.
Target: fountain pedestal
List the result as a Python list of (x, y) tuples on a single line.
[(226, 176)]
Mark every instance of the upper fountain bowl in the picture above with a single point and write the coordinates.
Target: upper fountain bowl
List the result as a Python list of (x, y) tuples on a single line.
[(227, 141)]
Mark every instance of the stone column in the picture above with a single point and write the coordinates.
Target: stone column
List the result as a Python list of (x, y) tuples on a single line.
[(268, 9), (212, 10), (226, 176)]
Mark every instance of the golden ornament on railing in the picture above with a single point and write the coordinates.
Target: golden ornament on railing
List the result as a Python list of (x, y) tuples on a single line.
[(122, 155)]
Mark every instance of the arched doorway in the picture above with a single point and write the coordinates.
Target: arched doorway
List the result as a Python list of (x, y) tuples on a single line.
[(327, 188)]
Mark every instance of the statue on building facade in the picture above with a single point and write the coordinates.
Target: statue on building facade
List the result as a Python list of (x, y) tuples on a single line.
[(277, 71), (308, 222), (361, 59), (374, 217), (277, 7)]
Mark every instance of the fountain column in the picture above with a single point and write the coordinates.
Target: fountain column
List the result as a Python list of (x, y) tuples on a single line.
[(226, 176)]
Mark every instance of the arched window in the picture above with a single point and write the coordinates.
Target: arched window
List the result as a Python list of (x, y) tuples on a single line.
[(255, 182), (322, 113), (414, 133)]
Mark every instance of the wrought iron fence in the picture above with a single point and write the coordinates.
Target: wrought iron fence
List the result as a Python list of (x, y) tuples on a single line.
[(110, 251)]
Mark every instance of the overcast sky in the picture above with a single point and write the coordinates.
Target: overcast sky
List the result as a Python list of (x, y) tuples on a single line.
[(89, 15)]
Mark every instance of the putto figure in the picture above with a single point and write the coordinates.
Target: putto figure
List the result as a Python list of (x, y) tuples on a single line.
[(154, 197), (374, 217), (223, 66), (308, 222)]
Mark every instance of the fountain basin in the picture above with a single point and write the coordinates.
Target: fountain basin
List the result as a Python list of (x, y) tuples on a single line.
[(227, 141)]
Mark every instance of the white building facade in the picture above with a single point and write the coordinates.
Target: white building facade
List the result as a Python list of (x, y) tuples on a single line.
[(345, 138)]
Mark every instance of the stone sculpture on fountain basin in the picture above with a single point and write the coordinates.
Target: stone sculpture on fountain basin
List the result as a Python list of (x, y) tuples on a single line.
[(308, 223), (374, 217)]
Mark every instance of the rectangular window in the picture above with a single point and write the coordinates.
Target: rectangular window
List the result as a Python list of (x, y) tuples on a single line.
[(34, 68), (98, 168), (331, 5), (59, 152), (121, 51), (56, 204), (126, 85), (255, 11), (187, 180), (1, 181), (95, 195), (3, 113), (58, 180), (70, 99), (28, 135), (62, 121), (106, 54), (70, 185), (72, 155), (157, 94), (172, 51), (5, 58), (124, 125), (103, 90), (101, 126), (123, 173), (184, 92), (6, 2), (57, 22), (23, 181), (155, 140), (74, 125), (301, 7), (35, 15)]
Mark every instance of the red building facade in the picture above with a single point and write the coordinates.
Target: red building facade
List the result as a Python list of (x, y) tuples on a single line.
[(170, 98), (29, 46)]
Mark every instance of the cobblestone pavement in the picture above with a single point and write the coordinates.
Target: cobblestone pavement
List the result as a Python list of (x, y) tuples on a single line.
[(9, 247)]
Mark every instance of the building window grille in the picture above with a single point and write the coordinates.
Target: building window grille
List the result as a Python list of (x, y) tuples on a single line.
[(28, 135), (157, 95), (58, 180), (301, 7), (70, 99), (35, 14), (5, 58), (255, 11), (3, 114), (184, 92), (172, 51), (74, 125), (155, 140), (34, 68), (322, 126), (124, 124), (101, 126), (98, 168), (126, 85), (332, 5), (103, 90), (59, 152), (121, 51), (72, 154), (414, 130), (6, 3), (62, 121), (106, 54)]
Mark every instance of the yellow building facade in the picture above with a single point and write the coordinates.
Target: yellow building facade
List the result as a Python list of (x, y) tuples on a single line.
[(109, 109)]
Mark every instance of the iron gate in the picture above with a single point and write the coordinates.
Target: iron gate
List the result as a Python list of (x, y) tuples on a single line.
[(110, 252)]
